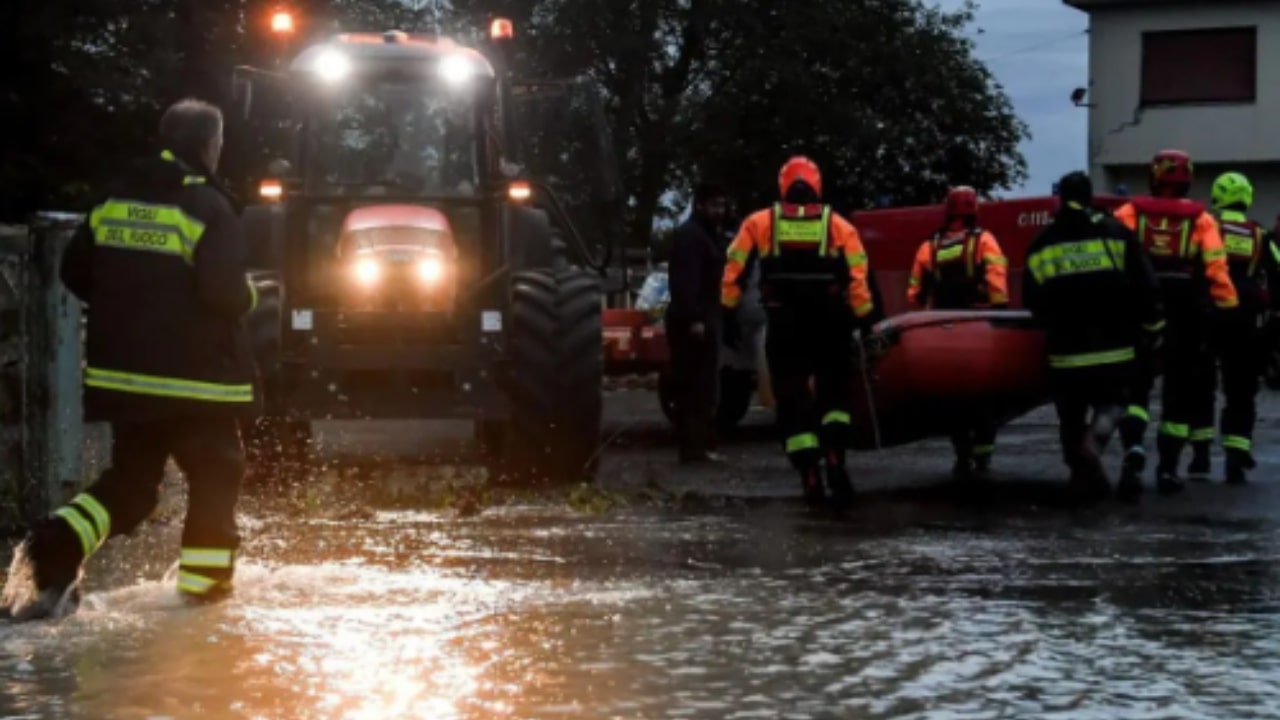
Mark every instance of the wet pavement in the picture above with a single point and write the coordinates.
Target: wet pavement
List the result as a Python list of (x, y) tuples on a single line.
[(677, 593)]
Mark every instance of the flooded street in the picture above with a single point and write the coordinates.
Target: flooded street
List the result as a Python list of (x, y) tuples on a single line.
[(706, 594)]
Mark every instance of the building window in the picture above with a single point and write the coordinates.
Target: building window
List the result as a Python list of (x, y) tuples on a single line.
[(1200, 66)]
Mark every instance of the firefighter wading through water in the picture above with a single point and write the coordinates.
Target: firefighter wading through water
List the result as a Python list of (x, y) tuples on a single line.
[(1242, 342), (1090, 286), (161, 264), (1185, 249), (963, 268), (814, 283)]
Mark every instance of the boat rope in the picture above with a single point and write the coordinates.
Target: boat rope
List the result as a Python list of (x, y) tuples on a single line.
[(867, 389)]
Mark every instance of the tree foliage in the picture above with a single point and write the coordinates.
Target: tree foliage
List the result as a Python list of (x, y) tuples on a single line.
[(885, 94)]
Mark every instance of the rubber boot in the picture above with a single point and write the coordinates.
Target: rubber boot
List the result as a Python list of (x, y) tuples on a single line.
[(1239, 463), (839, 484), (1129, 488), (963, 470), (45, 575), (1200, 469), (811, 480)]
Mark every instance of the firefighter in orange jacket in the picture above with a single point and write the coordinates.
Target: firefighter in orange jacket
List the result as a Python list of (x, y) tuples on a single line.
[(815, 286), (1186, 251), (963, 268)]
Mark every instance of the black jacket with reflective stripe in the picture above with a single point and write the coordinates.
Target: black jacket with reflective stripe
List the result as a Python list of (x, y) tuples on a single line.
[(1089, 284), (161, 265)]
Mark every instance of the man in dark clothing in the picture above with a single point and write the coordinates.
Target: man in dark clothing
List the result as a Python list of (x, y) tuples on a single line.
[(1089, 284), (692, 321), (161, 263)]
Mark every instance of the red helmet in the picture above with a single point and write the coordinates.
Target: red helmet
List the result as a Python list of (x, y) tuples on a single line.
[(961, 202), (1171, 172), (796, 169)]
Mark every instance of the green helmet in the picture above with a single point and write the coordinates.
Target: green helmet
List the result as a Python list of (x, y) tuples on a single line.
[(1232, 189)]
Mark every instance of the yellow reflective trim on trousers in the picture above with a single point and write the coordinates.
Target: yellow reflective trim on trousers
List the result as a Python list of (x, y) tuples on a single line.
[(802, 442), (1139, 412), (139, 384), (1107, 357), (95, 510), (984, 449), (206, 558), (146, 227), (1075, 258), (1177, 430), (81, 527), (1237, 442), (1201, 434), (837, 417), (193, 584)]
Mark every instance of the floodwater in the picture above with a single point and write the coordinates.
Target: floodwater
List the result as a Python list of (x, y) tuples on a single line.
[(911, 607)]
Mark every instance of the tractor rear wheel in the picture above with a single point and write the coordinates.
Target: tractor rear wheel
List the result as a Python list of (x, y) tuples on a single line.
[(555, 353)]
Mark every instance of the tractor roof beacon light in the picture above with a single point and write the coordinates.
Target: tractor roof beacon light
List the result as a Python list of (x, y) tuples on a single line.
[(456, 69), (501, 29), (519, 191), (332, 66), (282, 23), (271, 190)]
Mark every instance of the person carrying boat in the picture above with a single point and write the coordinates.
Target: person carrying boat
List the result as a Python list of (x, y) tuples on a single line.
[(816, 289), (1254, 263), (962, 268), (1185, 248), (1088, 283)]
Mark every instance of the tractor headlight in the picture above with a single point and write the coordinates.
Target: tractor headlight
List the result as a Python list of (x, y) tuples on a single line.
[(456, 69), (368, 271), (332, 66), (430, 269)]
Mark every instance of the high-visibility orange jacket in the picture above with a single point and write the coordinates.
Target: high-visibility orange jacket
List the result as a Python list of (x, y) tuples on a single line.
[(959, 270), (800, 240), (1183, 243)]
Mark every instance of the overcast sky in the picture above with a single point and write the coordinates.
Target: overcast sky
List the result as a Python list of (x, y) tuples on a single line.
[(1038, 50)]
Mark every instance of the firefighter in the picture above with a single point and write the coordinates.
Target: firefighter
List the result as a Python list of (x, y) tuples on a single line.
[(1254, 262), (1090, 286), (161, 265), (962, 268), (1185, 248), (815, 287)]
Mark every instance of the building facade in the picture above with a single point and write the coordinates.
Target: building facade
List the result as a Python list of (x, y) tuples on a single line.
[(1196, 75)]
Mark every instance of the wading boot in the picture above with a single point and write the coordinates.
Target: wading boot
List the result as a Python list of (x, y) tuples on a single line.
[(1200, 469), (963, 469), (840, 486), (1239, 464), (44, 576), (982, 468), (1129, 488), (814, 494)]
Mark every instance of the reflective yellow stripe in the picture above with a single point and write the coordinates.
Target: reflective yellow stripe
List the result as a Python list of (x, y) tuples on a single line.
[(1177, 430), (81, 527), (1154, 327), (813, 231), (193, 584), (193, 180), (729, 301), (91, 506), (206, 558), (253, 294), (1076, 258), (1139, 412), (837, 417), (914, 281), (863, 309), (146, 227), (801, 442), (948, 254), (1214, 254), (995, 259), (984, 449), (1237, 442), (1202, 434), (855, 259), (739, 255), (1107, 357), (1275, 253), (167, 387)]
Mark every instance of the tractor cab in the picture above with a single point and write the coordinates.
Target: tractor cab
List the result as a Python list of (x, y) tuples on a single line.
[(422, 270)]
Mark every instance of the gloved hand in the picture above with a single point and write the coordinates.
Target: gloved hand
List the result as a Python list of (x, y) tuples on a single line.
[(732, 330)]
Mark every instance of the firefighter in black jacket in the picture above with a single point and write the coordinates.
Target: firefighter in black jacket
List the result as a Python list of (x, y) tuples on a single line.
[(1254, 262), (161, 265), (1091, 287)]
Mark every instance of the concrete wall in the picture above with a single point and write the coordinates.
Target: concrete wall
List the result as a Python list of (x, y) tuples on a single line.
[(1211, 133), (1264, 176)]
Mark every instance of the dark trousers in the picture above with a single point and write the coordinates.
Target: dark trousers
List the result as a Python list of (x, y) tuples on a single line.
[(1186, 393), (1089, 402), (801, 346), (1242, 354), (209, 453), (976, 440), (695, 364)]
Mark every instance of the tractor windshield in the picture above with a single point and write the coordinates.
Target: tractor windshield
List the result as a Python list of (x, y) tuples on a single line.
[(402, 137)]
